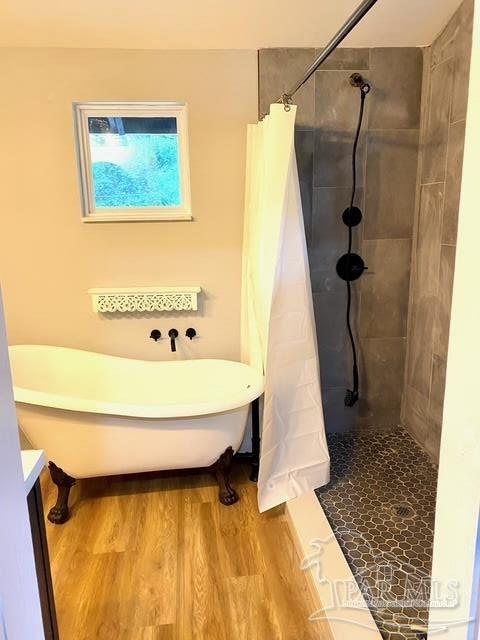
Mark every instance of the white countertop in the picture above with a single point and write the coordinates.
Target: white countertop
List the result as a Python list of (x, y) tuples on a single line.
[(33, 461)]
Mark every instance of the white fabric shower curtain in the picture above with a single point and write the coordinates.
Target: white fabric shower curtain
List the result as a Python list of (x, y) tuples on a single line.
[(278, 327)]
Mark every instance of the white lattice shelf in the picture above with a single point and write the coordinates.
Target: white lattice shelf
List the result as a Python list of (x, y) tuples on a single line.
[(124, 300)]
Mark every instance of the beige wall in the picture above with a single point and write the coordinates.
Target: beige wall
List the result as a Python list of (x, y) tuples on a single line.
[(49, 258), (458, 494)]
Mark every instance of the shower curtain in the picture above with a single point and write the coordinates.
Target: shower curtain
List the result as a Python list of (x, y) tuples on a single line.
[(278, 327)]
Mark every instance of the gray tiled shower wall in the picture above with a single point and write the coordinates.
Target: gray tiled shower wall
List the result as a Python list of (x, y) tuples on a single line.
[(408, 191), (445, 91), (387, 159)]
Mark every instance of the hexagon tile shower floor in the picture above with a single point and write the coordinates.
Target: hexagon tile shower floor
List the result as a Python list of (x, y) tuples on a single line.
[(381, 506)]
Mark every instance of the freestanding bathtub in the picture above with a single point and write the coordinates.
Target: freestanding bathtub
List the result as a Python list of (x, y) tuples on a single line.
[(98, 415)]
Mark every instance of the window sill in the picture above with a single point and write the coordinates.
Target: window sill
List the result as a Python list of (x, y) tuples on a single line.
[(170, 217)]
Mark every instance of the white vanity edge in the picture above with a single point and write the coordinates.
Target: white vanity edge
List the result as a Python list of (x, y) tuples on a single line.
[(33, 461), (308, 523)]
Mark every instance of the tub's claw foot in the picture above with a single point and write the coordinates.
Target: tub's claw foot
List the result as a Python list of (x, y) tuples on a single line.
[(227, 494), (60, 513)]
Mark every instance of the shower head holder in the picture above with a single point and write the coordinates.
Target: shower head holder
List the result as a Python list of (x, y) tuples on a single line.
[(351, 398), (357, 80)]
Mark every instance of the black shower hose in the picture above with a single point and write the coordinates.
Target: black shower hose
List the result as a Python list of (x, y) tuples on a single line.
[(351, 396)]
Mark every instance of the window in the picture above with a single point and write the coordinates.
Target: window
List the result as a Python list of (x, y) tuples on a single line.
[(133, 161)]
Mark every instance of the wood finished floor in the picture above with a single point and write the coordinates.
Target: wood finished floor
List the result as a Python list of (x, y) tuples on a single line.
[(151, 558)]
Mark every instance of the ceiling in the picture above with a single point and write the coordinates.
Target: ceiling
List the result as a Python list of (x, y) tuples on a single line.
[(216, 24)]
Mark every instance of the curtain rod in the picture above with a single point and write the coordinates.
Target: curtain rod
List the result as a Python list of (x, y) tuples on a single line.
[(349, 25)]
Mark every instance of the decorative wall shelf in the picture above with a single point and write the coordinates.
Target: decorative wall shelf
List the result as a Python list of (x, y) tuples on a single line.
[(124, 300)]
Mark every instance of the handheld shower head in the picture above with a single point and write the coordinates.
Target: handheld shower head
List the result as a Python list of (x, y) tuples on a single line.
[(351, 398)]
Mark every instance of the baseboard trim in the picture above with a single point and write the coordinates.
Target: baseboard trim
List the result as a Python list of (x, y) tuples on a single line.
[(330, 578)]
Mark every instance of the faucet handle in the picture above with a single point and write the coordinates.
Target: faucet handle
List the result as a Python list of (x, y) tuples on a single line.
[(155, 335), (191, 333)]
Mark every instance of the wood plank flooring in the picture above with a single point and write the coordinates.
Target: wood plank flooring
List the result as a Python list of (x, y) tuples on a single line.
[(159, 558)]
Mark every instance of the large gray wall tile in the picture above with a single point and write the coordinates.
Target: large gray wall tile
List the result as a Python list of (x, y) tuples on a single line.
[(329, 237), (278, 70), (443, 47), (444, 301), (333, 164), (443, 131), (390, 184), (335, 358), (396, 77), (438, 118), (381, 381), (463, 49), (338, 417), (429, 237), (304, 141), (306, 197), (335, 121), (432, 441), (347, 59), (437, 392), (420, 344), (384, 289), (425, 283), (416, 414), (456, 143), (338, 102)]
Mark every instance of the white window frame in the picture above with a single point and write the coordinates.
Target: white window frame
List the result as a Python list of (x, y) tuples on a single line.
[(85, 110)]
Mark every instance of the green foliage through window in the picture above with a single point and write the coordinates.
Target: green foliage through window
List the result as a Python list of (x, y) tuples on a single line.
[(135, 169)]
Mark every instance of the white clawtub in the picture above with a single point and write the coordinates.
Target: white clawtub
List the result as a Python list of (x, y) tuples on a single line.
[(97, 415)]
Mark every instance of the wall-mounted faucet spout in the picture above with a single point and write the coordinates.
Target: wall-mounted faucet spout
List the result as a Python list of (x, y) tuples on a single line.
[(173, 334)]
